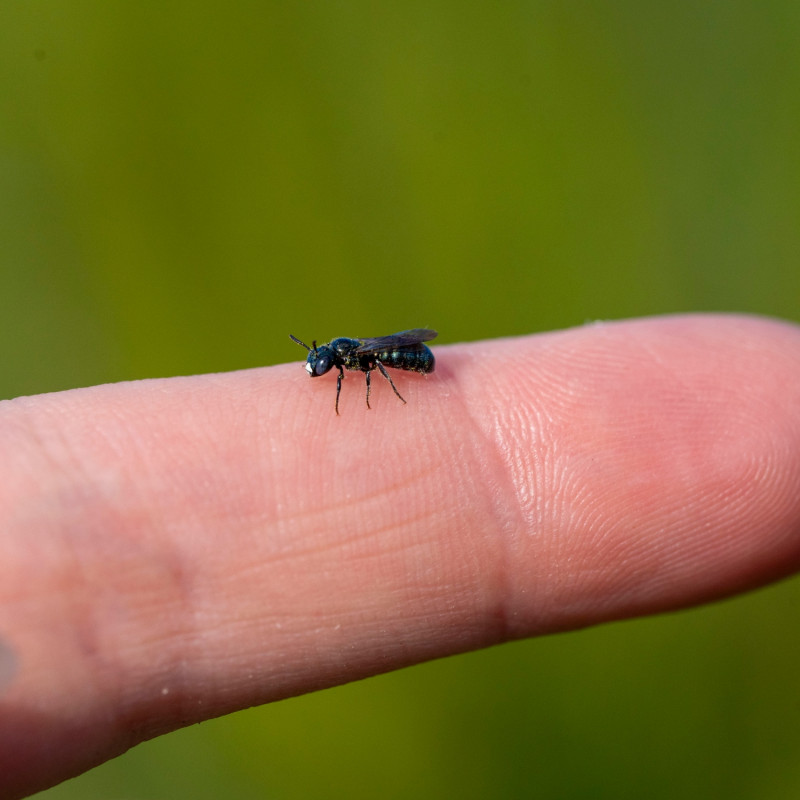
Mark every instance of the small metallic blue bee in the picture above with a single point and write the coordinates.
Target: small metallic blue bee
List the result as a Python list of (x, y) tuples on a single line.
[(404, 350)]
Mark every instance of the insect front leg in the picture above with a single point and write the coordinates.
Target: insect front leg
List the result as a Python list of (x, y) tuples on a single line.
[(368, 373), (339, 387), (391, 382)]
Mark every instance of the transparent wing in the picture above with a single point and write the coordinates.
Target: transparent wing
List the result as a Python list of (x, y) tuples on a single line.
[(398, 341)]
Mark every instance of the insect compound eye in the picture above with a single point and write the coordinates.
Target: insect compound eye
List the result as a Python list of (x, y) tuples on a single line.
[(322, 363)]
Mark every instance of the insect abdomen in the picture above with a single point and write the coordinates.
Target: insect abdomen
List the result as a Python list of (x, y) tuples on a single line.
[(421, 360)]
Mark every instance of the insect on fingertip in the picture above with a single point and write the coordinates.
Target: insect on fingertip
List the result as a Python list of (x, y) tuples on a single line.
[(405, 350)]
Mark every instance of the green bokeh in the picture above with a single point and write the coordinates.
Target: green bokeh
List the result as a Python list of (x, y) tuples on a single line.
[(183, 184)]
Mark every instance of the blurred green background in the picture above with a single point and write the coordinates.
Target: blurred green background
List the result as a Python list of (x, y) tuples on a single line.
[(183, 184)]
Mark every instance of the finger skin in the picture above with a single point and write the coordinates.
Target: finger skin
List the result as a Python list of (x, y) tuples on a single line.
[(176, 549)]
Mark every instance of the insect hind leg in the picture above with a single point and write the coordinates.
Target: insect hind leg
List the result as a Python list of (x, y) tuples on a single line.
[(385, 375), (338, 388)]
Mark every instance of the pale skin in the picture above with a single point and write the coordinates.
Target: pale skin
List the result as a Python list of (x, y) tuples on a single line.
[(173, 550)]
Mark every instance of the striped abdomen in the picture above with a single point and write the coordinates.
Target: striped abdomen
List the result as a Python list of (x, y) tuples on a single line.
[(419, 359)]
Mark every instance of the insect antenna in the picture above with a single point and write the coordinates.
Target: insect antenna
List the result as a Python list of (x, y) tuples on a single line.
[(295, 339)]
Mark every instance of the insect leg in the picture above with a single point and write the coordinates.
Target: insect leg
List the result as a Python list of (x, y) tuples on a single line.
[(386, 375), (339, 387), (368, 372)]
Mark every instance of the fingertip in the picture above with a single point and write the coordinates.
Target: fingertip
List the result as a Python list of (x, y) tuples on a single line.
[(655, 463)]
